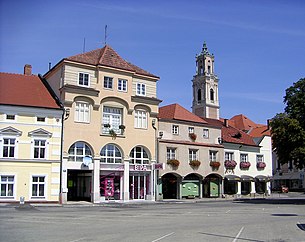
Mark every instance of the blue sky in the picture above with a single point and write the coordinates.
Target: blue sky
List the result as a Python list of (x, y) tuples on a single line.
[(259, 46)]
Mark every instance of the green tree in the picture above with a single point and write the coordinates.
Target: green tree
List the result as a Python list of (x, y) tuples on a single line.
[(288, 128)]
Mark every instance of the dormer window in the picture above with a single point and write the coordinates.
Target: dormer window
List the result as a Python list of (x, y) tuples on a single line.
[(83, 79)]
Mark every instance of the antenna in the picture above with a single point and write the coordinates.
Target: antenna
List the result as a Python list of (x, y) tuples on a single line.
[(105, 34), (84, 45)]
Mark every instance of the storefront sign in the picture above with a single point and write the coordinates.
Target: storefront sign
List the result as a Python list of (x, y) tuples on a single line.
[(140, 168), (159, 166)]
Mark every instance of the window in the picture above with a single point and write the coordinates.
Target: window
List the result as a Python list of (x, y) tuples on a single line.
[(243, 157), (111, 154), (40, 147), (7, 186), (212, 94), (10, 117), (141, 89), (82, 112), (199, 95), (122, 85), (38, 186), (259, 158), (108, 81), (171, 153), (138, 156), (191, 130), (205, 133), (213, 155), (175, 129), (140, 119), (229, 156), (193, 154), (112, 119), (83, 79), (41, 119), (9, 147), (78, 151)]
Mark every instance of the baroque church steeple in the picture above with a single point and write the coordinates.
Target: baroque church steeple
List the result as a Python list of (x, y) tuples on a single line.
[(205, 86)]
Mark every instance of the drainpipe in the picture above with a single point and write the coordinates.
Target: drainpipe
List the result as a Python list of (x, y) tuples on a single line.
[(156, 172)]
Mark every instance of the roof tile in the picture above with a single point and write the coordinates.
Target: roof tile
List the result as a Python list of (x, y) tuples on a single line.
[(106, 56), (23, 90)]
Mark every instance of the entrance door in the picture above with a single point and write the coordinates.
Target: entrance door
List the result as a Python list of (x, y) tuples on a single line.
[(138, 186), (79, 186)]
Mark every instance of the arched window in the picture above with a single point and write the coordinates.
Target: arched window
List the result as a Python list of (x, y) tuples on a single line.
[(199, 95), (111, 154), (212, 94), (138, 156), (78, 151)]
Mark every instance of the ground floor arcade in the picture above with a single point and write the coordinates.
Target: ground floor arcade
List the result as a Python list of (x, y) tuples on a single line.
[(174, 186)]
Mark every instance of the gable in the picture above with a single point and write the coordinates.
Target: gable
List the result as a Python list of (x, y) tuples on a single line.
[(10, 131), (40, 133)]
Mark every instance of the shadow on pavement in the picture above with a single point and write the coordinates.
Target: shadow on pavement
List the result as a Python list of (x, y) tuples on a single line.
[(296, 201)]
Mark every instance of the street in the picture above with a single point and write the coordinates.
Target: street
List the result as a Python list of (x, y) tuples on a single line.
[(244, 220)]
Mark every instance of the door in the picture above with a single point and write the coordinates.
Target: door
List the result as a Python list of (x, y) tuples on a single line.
[(214, 188)]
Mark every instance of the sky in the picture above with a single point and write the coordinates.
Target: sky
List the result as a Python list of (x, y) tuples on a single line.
[(259, 45)]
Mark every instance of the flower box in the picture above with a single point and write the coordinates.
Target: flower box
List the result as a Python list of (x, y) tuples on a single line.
[(173, 162), (193, 136), (195, 163), (230, 164), (215, 164), (261, 165), (245, 165), (122, 126), (107, 125)]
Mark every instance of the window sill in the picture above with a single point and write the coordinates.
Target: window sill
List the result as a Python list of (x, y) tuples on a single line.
[(117, 136)]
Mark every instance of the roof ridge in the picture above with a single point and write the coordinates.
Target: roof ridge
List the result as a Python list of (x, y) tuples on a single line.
[(100, 60)]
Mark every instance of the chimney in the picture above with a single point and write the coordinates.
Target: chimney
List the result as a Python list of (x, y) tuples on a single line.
[(27, 70), (226, 122), (268, 124)]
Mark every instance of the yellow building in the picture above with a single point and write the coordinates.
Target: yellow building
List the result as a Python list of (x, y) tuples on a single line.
[(30, 139), (109, 129)]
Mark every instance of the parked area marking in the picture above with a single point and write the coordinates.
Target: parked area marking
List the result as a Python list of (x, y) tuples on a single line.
[(239, 233), (163, 237)]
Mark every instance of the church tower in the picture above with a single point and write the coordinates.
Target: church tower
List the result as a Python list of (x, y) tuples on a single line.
[(205, 86)]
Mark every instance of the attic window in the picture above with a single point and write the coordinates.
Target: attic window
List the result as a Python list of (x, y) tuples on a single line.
[(10, 117), (237, 135)]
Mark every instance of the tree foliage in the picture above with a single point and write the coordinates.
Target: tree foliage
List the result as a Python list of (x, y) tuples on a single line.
[(288, 128)]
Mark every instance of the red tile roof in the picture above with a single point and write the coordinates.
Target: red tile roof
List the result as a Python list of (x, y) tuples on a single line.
[(23, 90), (243, 123), (106, 56), (260, 131), (231, 134), (177, 112)]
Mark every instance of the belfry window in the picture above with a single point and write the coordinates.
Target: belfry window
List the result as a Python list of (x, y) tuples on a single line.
[(199, 95), (212, 94)]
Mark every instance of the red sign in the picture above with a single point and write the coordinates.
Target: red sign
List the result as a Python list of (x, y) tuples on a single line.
[(159, 166)]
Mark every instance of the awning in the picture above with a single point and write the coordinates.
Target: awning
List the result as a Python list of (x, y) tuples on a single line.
[(232, 178), (262, 178), (246, 178)]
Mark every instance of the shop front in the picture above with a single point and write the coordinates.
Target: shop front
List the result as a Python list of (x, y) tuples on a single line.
[(190, 186), (231, 184), (212, 185), (246, 184)]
